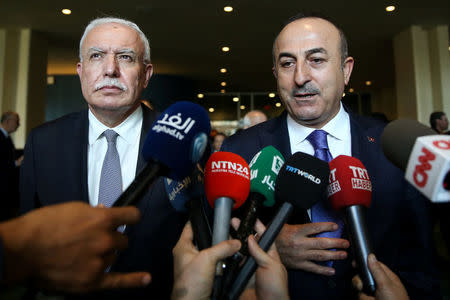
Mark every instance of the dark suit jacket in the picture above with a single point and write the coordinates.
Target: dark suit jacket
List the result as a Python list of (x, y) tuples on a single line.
[(9, 179), (54, 171), (398, 220)]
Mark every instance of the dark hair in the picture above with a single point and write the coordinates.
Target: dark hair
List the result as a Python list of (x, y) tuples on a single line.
[(435, 116), (299, 16), (7, 115)]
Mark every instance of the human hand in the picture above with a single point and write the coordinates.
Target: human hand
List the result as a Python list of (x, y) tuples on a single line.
[(19, 161), (194, 270), (68, 246), (389, 286), (300, 251), (271, 276)]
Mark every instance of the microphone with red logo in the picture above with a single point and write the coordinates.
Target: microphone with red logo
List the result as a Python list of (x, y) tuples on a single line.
[(350, 191), (301, 182), (227, 185), (422, 154)]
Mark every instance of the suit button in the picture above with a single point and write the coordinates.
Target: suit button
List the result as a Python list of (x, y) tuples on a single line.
[(331, 283)]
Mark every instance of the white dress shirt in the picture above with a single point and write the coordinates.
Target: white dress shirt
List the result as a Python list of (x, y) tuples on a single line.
[(127, 146), (338, 138)]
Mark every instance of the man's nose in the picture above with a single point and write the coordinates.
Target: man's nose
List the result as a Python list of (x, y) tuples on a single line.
[(111, 66)]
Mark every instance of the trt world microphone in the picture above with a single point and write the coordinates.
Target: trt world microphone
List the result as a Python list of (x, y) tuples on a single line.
[(173, 146), (350, 191), (301, 182), (422, 154)]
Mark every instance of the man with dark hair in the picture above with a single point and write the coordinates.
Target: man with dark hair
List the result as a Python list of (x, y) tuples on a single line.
[(439, 122), (95, 154), (312, 67)]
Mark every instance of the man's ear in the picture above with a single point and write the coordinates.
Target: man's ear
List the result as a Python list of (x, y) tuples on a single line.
[(274, 72), (347, 68)]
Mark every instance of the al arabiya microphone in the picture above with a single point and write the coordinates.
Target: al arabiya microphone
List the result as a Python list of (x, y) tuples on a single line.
[(175, 143), (422, 154), (350, 191), (301, 182), (227, 185), (187, 196)]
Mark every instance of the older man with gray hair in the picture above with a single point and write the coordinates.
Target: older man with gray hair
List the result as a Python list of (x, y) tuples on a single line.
[(95, 154)]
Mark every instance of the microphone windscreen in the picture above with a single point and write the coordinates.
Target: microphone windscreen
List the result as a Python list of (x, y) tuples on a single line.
[(264, 169), (227, 175), (398, 139), (178, 138), (349, 183), (302, 180), (177, 192)]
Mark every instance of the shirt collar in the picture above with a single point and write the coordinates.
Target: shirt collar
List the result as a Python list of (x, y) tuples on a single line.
[(336, 127), (4, 131), (126, 129)]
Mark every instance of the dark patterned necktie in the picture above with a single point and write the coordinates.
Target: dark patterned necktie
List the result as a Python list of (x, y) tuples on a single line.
[(111, 177)]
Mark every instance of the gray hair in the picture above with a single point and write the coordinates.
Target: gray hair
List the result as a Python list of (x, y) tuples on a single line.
[(100, 21)]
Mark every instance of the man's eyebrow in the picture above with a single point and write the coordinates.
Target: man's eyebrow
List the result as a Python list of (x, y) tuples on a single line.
[(95, 49), (126, 50), (316, 50), (285, 54)]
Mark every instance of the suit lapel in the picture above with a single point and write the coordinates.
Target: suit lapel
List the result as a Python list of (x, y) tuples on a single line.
[(82, 137), (277, 135), (149, 117)]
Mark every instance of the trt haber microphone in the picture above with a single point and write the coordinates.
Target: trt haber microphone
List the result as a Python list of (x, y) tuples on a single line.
[(301, 182), (227, 185), (350, 191), (422, 154), (173, 146), (264, 168)]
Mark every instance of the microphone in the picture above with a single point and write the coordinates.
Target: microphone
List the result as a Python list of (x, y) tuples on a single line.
[(350, 191), (227, 185), (187, 196), (264, 168), (301, 182), (173, 146), (422, 154)]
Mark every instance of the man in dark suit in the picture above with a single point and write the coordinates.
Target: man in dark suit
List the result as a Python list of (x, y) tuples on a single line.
[(93, 155), (312, 67), (9, 166)]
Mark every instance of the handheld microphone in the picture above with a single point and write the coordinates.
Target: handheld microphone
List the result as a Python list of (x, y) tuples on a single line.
[(173, 146), (264, 168), (187, 196), (350, 191), (422, 154), (301, 182), (227, 185)]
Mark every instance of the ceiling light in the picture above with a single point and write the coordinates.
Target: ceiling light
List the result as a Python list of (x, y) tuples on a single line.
[(222, 91), (278, 104), (351, 90), (235, 99), (343, 95), (368, 82), (211, 109), (242, 107), (200, 96), (66, 11), (223, 83), (228, 8), (225, 49), (223, 70), (271, 95), (390, 8)]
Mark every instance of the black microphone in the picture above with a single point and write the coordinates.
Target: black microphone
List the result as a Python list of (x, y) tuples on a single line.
[(301, 182), (173, 146)]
